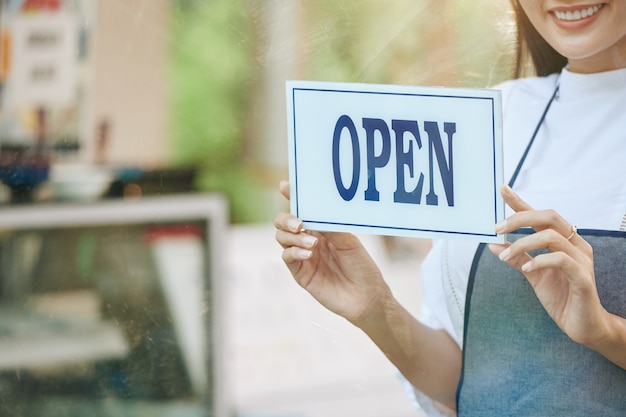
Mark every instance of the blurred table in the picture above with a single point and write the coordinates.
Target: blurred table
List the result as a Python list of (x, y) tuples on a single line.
[(112, 302)]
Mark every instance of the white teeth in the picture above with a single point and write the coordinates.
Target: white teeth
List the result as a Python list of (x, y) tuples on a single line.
[(578, 14)]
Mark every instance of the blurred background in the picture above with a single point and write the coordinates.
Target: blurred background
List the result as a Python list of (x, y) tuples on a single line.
[(141, 144)]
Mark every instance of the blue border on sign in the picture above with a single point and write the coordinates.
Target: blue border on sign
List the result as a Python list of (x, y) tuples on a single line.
[(329, 90), (408, 229)]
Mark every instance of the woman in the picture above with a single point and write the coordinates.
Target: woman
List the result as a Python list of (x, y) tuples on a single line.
[(542, 322)]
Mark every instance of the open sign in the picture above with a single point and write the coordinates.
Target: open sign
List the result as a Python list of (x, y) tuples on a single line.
[(396, 160)]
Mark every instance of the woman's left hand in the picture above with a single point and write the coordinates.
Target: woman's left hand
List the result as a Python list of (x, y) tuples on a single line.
[(563, 278)]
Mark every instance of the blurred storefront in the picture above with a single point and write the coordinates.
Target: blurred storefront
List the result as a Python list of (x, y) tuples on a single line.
[(109, 261), (141, 144)]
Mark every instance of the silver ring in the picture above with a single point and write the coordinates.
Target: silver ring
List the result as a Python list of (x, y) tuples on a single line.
[(573, 232)]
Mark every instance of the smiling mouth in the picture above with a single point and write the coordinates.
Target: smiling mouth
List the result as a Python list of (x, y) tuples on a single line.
[(574, 15)]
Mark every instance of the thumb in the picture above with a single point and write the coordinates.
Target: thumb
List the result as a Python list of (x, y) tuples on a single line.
[(284, 189)]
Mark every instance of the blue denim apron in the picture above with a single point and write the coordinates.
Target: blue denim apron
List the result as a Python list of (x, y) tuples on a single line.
[(517, 362)]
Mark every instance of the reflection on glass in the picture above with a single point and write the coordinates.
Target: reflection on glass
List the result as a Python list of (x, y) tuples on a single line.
[(88, 325)]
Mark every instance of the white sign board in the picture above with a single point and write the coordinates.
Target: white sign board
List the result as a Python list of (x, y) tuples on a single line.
[(396, 160), (44, 63)]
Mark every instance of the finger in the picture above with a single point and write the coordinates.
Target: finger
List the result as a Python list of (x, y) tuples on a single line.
[(554, 260), (288, 222), (293, 256), (580, 279), (503, 252), (301, 240), (549, 239), (537, 219), (513, 200), (498, 249), (518, 205), (284, 189), (525, 217)]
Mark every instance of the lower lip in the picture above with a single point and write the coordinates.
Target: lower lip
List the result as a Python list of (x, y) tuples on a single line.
[(577, 24)]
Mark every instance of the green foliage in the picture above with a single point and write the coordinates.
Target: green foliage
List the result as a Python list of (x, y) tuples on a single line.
[(218, 52), (210, 76), (245, 194)]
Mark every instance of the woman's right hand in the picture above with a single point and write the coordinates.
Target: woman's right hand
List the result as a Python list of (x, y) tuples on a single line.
[(337, 270), (333, 267)]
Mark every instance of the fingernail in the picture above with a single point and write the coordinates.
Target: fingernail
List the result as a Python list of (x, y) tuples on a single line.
[(309, 241), (526, 267), (504, 255), (304, 253), (294, 225), (507, 189), (501, 226)]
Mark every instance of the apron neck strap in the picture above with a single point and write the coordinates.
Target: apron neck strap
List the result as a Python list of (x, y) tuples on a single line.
[(533, 137)]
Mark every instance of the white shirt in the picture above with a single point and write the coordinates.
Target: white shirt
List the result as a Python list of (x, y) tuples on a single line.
[(577, 166)]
